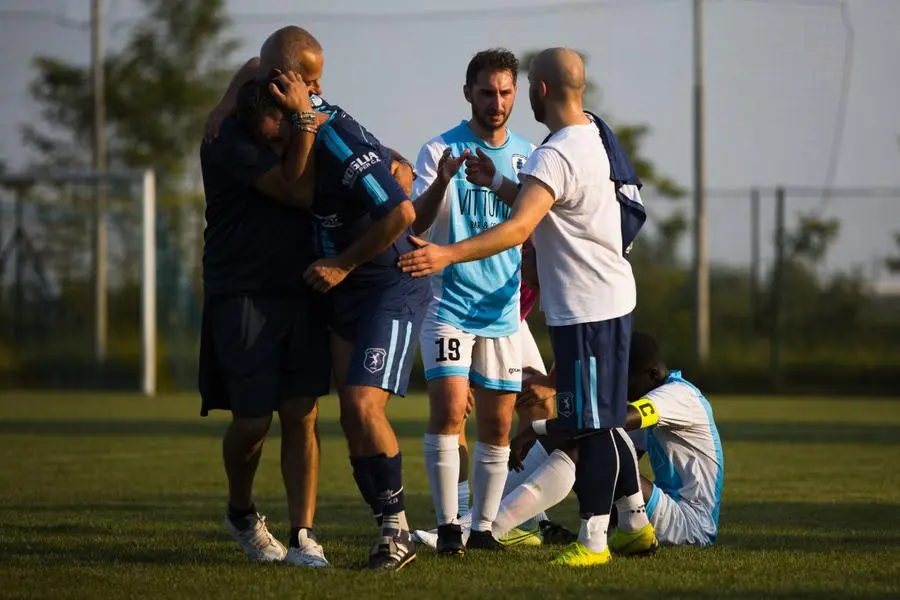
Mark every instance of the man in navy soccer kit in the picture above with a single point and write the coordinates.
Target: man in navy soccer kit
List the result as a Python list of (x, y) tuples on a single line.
[(360, 225), (376, 310)]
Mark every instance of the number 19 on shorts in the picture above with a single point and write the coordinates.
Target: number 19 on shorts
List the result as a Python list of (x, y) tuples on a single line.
[(447, 349)]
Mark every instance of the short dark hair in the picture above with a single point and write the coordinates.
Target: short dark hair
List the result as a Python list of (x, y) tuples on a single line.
[(255, 101), (495, 59), (645, 353)]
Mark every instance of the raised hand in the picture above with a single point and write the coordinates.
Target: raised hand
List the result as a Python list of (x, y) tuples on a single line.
[(448, 165), (291, 92), (480, 169)]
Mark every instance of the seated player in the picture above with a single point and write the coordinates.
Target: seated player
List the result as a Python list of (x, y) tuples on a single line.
[(684, 448), (685, 452)]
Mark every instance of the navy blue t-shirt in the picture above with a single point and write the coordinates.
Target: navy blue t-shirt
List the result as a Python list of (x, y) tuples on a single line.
[(252, 244), (354, 188)]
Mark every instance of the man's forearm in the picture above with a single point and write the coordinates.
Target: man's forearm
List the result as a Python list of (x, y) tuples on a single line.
[(428, 205), (299, 166), (508, 192), (380, 235), (495, 240)]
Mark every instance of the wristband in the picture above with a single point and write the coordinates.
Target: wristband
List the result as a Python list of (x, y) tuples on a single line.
[(539, 427), (496, 182), (647, 410), (303, 118)]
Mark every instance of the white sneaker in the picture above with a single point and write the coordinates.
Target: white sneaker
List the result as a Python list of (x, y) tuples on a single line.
[(256, 540), (310, 553)]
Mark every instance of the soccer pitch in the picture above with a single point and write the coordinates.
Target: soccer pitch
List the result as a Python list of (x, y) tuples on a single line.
[(111, 496)]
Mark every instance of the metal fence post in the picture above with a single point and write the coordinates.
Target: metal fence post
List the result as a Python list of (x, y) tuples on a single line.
[(777, 288), (754, 258)]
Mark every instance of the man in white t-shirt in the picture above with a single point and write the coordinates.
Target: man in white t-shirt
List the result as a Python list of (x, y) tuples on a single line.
[(568, 200)]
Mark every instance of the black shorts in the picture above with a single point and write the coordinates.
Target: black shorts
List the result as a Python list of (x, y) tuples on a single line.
[(258, 350)]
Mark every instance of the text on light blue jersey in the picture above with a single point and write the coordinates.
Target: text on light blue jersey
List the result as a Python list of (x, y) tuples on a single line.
[(479, 297)]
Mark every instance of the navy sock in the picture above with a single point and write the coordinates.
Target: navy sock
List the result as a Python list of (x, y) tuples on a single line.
[(363, 470), (389, 483), (239, 517), (595, 474)]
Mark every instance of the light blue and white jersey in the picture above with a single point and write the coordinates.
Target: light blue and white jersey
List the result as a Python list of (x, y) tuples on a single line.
[(685, 451), (480, 297)]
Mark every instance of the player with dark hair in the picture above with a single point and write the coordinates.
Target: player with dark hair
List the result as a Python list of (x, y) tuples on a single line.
[(361, 216), (582, 228), (471, 332), (683, 444)]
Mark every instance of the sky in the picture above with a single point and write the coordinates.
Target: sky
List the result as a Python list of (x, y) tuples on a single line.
[(773, 88)]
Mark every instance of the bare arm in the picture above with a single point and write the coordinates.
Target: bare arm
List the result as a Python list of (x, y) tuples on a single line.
[(428, 205), (380, 235), (295, 184), (534, 202)]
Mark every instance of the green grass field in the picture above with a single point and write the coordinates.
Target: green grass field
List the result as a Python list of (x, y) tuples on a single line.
[(123, 497)]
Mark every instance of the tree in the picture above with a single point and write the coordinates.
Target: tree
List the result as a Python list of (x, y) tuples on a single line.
[(809, 242), (893, 262), (159, 88)]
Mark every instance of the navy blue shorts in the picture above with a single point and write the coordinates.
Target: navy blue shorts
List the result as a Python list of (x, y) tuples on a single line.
[(256, 351), (383, 324), (592, 373)]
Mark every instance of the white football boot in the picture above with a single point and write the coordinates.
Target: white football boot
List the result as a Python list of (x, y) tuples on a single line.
[(310, 553), (256, 540)]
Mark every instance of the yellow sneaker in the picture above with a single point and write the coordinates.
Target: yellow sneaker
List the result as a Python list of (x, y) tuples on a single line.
[(526, 537), (576, 554), (642, 542)]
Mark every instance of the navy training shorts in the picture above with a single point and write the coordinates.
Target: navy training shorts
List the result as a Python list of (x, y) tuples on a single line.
[(257, 350), (592, 373)]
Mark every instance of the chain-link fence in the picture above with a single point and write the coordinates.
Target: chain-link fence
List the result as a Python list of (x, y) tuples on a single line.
[(799, 290)]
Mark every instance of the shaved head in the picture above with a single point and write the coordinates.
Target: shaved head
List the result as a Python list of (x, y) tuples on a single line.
[(282, 49), (561, 69), (555, 78)]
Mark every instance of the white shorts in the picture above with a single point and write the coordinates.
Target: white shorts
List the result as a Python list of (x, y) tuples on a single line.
[(676, 523), (531, 355), (491, 363)]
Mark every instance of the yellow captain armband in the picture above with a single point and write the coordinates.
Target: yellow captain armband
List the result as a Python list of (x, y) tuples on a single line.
[(647, 410)]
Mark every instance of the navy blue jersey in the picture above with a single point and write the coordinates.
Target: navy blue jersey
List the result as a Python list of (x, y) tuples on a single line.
[(354, 188), (252, 244)]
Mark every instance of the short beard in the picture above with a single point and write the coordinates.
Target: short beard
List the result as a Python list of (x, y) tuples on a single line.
[(487, 125)]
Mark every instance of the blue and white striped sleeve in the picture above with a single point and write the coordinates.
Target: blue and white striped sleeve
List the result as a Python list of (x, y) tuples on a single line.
[(363, 170)]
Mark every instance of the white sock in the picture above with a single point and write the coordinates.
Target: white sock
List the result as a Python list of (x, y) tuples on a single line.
[(548, 486), (632, 512), (442, 465), (631, 509), (462, 496), (534, 459), (542, 516), (593, 532), (397, 521), (488, 479)]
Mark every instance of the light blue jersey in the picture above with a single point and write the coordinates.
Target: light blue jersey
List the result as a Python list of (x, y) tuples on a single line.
[(479, 297), (685, 452)]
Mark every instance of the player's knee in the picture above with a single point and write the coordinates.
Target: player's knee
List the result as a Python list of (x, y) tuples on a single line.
[(447, 419), (249, 431), (298, 414), (359, 413), (493, 427)]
